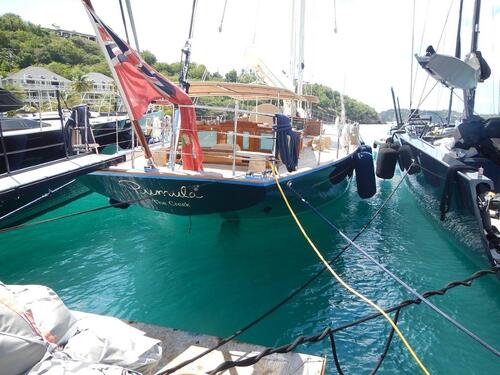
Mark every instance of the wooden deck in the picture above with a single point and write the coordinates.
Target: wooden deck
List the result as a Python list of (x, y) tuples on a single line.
[(179, 346)]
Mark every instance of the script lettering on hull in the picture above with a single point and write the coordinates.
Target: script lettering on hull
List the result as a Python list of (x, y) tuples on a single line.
[(183, 192)]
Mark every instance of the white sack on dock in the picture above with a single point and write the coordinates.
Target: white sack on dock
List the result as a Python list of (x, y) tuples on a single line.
[(51, 316), (110, 341), (21, 346)]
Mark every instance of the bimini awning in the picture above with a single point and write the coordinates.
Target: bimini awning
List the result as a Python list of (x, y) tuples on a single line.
[(244, 91), (449, 70)]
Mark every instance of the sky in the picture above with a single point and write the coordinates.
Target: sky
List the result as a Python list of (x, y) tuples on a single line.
[(371, 51)]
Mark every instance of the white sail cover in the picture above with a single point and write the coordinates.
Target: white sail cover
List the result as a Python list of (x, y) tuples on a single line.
[(21, 344), (450, 71), (39, 334)]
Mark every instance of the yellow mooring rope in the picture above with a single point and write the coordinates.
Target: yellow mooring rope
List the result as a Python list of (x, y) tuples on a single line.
[(342, 282)]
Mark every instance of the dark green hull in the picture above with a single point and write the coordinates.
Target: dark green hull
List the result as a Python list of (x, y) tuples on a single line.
[(29, 202), (250, 196)]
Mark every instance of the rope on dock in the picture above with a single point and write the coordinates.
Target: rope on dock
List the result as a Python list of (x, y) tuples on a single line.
[(451, 320), (293, 293), (327, 331), (340, 280)]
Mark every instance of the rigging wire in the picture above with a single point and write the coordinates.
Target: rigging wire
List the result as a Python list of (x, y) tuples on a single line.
[(335, 29), (423, 99), (458, 325), (437, 47), (411, 56), (78, 213), (43, 196), (420, 47), (341, 281), (445, 24), (222, 18)]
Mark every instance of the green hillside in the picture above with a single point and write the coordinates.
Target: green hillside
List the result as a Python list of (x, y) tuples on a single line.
[(439, 116), (23, 44)]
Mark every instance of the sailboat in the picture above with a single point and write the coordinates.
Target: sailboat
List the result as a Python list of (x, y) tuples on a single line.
[(454, 168), (41, 156), (227, 163)]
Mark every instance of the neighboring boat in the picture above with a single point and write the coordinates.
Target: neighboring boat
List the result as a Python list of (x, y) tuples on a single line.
[(223, 166), (456, 169), (39, 162)]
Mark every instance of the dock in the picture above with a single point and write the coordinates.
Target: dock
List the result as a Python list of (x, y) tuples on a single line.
[(179, 346)]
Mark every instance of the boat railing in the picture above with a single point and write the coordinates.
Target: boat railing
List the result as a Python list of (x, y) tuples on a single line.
[(249, 137), (25, 147), (226, 137), (235, 136)]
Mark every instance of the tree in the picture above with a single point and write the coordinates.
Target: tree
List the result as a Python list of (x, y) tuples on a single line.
[(232, 76), (81, 84), (247, 76), (149, 57)]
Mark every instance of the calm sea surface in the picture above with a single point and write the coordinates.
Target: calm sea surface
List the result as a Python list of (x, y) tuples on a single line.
[(210, 276)]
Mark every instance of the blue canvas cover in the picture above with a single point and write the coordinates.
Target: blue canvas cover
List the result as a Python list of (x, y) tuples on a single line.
[(287, 142)]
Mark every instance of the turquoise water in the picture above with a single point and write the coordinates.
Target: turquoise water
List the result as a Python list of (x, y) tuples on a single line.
[(211, 276)]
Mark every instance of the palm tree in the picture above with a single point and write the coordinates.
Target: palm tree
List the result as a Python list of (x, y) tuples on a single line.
[(81, 84)]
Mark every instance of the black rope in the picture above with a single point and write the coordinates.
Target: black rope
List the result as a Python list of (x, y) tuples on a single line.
[(334, 353), (25, 225), (387, 344), (249, 361), (291, 295), (382, 355)]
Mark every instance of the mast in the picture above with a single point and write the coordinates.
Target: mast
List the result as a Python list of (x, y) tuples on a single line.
[(458, 52), (292, 45), (132, 25), (301, 48), (395, 108), (470, 95), (186, 53), (124, 21)]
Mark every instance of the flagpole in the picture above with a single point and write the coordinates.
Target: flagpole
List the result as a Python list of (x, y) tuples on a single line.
[(135, 123)]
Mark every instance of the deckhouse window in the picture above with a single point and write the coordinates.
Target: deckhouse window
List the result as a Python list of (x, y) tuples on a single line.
[(266, 141), (207, 138)]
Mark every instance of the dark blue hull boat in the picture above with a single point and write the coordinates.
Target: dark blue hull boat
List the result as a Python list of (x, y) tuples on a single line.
[(248, 197), (452, 191)]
